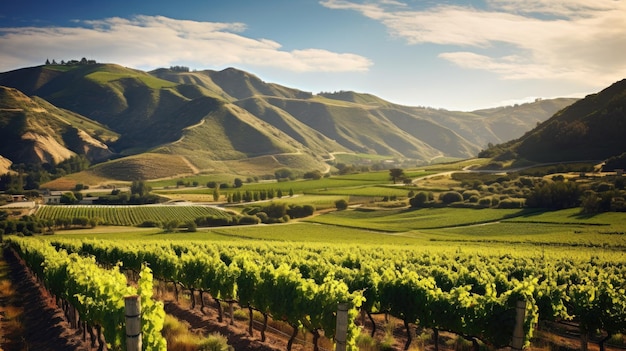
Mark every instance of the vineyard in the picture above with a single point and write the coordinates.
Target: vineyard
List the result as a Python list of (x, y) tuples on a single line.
[(97, 295), (471, 294), (128, 215)]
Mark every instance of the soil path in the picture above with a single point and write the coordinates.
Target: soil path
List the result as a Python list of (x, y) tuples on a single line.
[(43, 324)]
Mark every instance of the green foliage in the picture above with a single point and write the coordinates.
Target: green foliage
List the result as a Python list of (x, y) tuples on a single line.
[(129, 215), (396, 174), (451, 197), (140, 188), (555, 195), (341, 204)]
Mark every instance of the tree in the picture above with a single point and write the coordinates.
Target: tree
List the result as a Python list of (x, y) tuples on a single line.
[(313, 175), (284, 173), (68, 198), (216, 193), (238, 183), (419, 200), (170, 226), (341, 204), (396, 174), (140, 188), (191, 226), (450, 197)]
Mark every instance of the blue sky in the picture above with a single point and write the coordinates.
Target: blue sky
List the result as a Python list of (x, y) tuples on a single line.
[(458, 55)]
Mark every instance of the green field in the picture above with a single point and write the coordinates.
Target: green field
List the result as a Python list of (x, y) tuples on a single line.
[(435, 228), (129, 215)]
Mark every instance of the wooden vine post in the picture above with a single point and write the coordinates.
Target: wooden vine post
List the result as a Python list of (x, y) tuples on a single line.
[(341, 331), (132, 308), (517, 343)]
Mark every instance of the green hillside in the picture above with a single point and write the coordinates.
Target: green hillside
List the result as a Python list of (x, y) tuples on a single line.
[(231, 121), (590, 129)]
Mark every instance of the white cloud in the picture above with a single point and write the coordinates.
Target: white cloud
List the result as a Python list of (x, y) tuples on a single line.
[(576, 40), (156, 41)]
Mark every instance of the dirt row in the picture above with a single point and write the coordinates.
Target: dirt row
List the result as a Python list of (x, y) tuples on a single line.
[(43, 324)]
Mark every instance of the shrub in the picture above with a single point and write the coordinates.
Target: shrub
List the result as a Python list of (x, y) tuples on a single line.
[(450, 197), (246, 220), (419, 200), (467, 194), (485, 202), (191, 226), (341, 204), (263, 217), (149, 224), (511, 203), (296, 211)]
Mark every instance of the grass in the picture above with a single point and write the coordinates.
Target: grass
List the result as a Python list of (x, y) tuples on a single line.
[(180, 337), (401, 220), (104, 77)]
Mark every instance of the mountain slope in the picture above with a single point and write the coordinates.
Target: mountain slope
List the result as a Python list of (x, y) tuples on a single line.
[(590, 129), (232, 120), (34, 131)]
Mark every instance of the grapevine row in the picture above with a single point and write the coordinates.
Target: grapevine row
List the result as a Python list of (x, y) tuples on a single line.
[(96, 293), (128, 215), (473, 296)]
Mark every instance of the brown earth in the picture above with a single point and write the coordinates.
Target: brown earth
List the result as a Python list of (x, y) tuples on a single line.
[(44, 327)]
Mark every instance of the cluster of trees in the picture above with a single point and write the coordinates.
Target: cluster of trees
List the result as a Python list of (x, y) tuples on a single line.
[(268, 214), (261, 195), (30, 176), (278, 212), (83, 61), (139, 195), (179, 68), (31, 225), (515, 191)]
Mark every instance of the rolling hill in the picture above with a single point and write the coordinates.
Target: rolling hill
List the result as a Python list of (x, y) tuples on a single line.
[(34, 131), (231, 120), (590, 129)]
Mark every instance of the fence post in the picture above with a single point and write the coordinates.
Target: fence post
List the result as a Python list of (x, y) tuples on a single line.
[(341, 331), (132, 309), (518, 333)]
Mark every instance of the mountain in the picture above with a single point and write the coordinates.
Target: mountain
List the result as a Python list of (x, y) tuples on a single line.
[(232, 121), (590, 129)]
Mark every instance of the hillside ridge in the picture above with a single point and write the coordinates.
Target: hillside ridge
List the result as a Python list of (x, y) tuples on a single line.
[(212, 118)]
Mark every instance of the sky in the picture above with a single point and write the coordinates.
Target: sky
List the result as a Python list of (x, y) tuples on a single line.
[(454, 54)]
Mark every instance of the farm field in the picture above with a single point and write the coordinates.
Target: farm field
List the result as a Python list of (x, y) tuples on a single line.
[(452, 257), (537, 250)]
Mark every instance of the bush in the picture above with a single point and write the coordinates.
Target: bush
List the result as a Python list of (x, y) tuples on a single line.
[(191, 226), (170, 226), (419, 200), (149, 224), (511, 203), (246, 220), (214, 342), (450, 197), (484, 202), (341, 204), (467, 194), (263, 217), (296, 211)]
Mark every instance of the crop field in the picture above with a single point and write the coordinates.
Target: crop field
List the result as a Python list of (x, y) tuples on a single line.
[(405, 220), (128, 215)]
